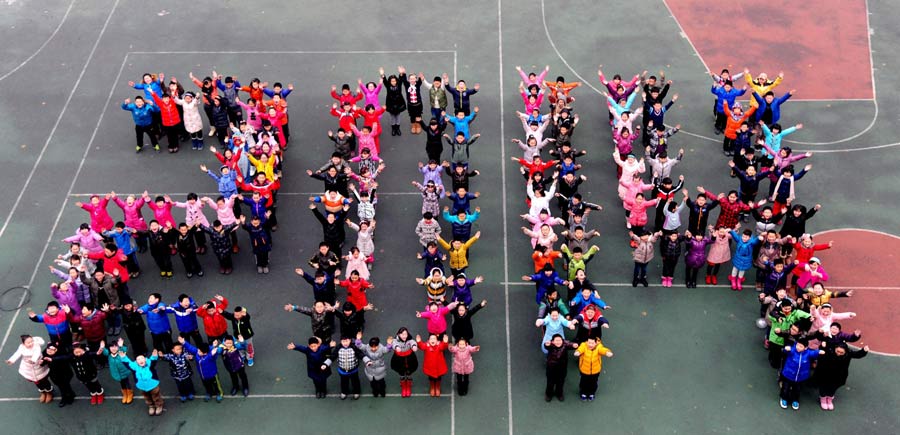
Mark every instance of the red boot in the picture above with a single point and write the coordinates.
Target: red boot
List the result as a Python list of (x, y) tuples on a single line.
[(93, 399), (740, 283), (713, 280), (733, 280), (708, 279), (100, 399)]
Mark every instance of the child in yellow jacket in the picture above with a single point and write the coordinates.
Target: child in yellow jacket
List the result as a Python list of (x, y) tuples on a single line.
[(589, 364), (458, 251)]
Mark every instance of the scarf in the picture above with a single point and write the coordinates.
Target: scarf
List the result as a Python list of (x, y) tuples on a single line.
[(778, 186)]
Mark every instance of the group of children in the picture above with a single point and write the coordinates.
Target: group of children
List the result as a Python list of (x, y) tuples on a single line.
[(93, 303)]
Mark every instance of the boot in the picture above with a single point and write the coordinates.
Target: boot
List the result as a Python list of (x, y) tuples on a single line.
[(431, 388), (740, 283), (100, 398), (43, 397), (708, 279), (823, 402), (399, 133), (130, 396), (733, 280), (409, 388), (437, 389), (830, 401), (634, 282), (714, 280), (124, 396)]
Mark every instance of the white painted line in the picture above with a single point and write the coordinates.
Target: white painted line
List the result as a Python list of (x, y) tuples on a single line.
[(509, 401), (199, 398), (52, 35), (560, 56), (215, 194), (37, 266), (65, 107), (685, 36), (297, 52), (628, 284)]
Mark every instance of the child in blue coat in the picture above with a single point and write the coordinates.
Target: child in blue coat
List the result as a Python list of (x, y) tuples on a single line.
[(316, 354), (743, 256), (796, 369), (205, 358), (142, 114)]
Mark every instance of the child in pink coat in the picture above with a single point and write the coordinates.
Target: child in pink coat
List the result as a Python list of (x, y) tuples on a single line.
[(463, 365), (100, 219), (813, 273), (437, 316), (162, 210), (638, 206), (131, 208), (370, 92), (719, 253), (87, 238), (194, 217)]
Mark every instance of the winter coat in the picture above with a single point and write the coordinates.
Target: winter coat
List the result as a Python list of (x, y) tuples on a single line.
[(832, 370), (428, 231), (730, 211), (768, 250), (462, 359), (113, 263), (458, 258), (221, 241), (178, 366), (133, 217), (315, 361), (462, 325), (371, 96), (545, 284), (734, 122), (695, 252), (146, 375), (375, 366), (797, 365), (644, 251), (193, 213), (90, 242), (784, 324), (226, 184), (725, 98), (142, 116), (214, 324), (56, 325), (796, 226), (776, 280), (260, 238), (192, 121), (240, 327), (720, 252), (84, 367), (31, 368), (435, 364), (100, 219), (743, 252), (93, 326), (232, 358), (589, 362), (670, 249), (185, 318), (394, 101), (163, 214), (803, 254), (159, 321), (206, 364), (168, 111)]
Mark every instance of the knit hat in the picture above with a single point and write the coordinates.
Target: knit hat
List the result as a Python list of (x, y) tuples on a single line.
[(737, 105), (815, 260)]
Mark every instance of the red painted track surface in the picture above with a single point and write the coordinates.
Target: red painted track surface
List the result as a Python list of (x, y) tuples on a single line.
[(866, 259), (821, 46)]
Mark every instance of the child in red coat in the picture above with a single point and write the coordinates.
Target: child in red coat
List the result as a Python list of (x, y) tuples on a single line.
[(435, 364), (214, 322)]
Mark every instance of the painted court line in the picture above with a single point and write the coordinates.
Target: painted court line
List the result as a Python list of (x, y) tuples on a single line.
[(509, 401), (40, 157), (299, 52), (52, 35), (200, 398), (628, 284), (62, 208)]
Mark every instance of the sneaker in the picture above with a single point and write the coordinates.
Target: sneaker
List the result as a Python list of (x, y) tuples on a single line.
[(234, 391), (823, 402), (206, 399), (151, 410), (169, 274), (356, 397), (162, 274), (249, 362), (139, 149), (219, 398), (547, 398), (212, 131), (160, 410), (343, 396), (783, 404), (259, 269), (591, 398), (183, 399), (190, 397), (156, 148), (795, 405), (190, 275), (830, 402), (583, 397), (266, 269), (246, 392)]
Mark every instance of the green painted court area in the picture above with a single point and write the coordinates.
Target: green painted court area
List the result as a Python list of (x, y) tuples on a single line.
[(686, 360)]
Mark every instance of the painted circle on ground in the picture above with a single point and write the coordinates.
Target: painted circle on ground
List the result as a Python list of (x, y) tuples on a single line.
[(864, 260)]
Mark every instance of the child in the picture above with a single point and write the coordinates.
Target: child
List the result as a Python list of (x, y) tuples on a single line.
[(557, 366), (643, 253), (781, 320), (553, 324), (322, 282), (463, 366), (234, 364), (544, 281), (432, 193), (320, 317), (427, 229), (435, 364), (31, 368), (590, 323), (433, 258), (205, 357), (404, 360), (671, 251), (55, 320), (213, 320), (118, 367), (782, 191), (347, 356), (86, 371), (147, 380), (458, 251), (185, 311), (461, 123), (590, 364), (436, 315), (161, 248), (462, 321), (356, 289), (193, 124), (88, 240), (221, 243), (181, 371), (142, 114), (365, 202), (134, 326), (260, 240), (797, 365), (187, 250), (122, 236), (60, 374), (373, 358), (832, 371), (743, 256), (158, 320), (316, 368)]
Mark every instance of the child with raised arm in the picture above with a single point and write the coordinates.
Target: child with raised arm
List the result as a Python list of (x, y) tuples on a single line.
[(316, 353)]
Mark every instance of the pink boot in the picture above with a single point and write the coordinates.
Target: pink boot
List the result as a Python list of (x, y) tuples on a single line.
[(669, 284), (740, 283), (823, 402), (733, 280), (830, 402)]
